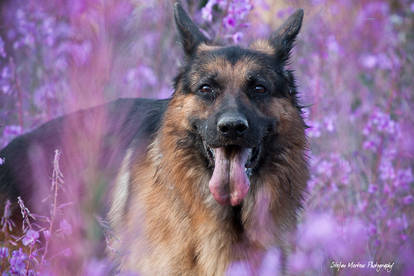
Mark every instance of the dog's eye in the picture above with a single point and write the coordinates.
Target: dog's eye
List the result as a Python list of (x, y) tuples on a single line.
[(260, 89), (205, 89)]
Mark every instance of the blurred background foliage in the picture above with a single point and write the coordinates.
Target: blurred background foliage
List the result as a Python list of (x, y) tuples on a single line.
[(354, 64)]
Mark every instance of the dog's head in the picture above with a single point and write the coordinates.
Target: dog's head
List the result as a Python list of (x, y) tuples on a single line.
[(240, 104)]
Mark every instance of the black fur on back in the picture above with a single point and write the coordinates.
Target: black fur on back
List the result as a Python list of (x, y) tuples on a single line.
[(128, 121)]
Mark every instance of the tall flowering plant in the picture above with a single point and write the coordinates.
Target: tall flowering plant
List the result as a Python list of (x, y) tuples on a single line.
[(353, 61)]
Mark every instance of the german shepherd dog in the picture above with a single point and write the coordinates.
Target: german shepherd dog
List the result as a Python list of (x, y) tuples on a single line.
[(214, 175)]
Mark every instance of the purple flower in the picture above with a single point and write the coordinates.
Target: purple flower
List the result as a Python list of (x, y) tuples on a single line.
[(387, 189), (372, 188), (141, 77), (271, 263), (386, 168), (284, 12), (97, 268), (319, 230), (325, 168), (2, 160), (6, 81), (298, 262), (17, 262), (237, 12), (237, 37), (384, 62), (315, 130), (229, 22), (372, 230), (4, 252), (404, 178), (81, 52), (65, 227), (206, 14), (382, 122), (146, 72), (238, 268), (329, 123), (372, 142), (355, 76), (369, 61), (11, 131), (408, 200), (30, 238), (2, 51), (5, 73), (332, 44)]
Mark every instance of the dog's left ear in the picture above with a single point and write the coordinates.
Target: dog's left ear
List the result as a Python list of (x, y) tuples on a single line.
[(191, 36), (282, 39)]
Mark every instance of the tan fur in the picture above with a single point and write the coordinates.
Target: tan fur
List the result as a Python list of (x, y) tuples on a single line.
[(173, 225), (205, 47), (235, 74), (262, 46), (120, 191)]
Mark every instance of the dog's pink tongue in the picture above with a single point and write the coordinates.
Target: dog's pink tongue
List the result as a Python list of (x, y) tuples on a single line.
[(239, 182), (229, 183)]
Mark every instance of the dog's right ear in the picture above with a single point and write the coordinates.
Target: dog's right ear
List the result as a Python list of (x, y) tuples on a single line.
[(190, 35)]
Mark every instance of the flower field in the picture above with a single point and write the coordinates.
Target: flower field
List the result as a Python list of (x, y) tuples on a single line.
[(354, 64)]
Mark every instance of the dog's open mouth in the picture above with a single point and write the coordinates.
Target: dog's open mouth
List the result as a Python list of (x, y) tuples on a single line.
[(233, 167)]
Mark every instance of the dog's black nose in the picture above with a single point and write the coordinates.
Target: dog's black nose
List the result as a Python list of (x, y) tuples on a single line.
[(232, 125)]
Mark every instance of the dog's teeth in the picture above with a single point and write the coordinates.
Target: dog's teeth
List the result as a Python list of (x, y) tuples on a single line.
[(211, 152)]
